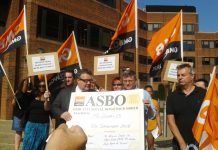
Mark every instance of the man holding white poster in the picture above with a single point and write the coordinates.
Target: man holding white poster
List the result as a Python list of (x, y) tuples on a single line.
[(61, 103), (130, 83)]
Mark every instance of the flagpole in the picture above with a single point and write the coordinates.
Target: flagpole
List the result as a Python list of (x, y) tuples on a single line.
[(25, 31), (211, 76), (136, 40), (9, 84), (77, 52), (181, 34)]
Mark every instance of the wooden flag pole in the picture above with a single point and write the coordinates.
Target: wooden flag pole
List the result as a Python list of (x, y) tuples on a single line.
[(174, 86), (77, 52), (105, 82), (9, 84), (46, 83), (136, 41), (25, 31)]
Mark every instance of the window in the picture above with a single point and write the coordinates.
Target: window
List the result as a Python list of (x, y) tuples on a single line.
[(209, 61), (48, 24), (190, 59), (111, 3), (68, 26), (106, 39), (209, 44), (82, 33), (146, 60), (206, 77), (156, 79), (143, 59), (216, 44), (153, 26), (143, 42), (188, 29), (143, 25), (94, 36), (143, 76), (189, 45), (149, 60), (128, 56)]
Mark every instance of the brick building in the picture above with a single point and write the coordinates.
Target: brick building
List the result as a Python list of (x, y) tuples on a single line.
[(94, 21)]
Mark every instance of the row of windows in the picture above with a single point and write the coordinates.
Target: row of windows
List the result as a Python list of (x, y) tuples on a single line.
[(210, 61), (146, 60), (145, 77), (111, 3), (209, 44), (188, 29), (207, 76), (128, 56), (58, 26)]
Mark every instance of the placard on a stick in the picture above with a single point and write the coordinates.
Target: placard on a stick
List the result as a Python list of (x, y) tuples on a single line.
[(107, 64), (44, 63), (170, 72)]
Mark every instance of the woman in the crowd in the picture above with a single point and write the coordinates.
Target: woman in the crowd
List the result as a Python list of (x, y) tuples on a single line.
[(37, 127), (153, 124), (23, 99), (117, 84)]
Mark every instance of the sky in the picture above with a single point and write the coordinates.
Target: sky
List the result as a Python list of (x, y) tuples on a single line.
[(207, 11)]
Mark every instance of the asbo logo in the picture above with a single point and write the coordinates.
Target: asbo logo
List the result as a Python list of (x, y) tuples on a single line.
[(103, 100)]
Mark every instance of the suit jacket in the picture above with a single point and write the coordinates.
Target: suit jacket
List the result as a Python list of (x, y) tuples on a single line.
[(61, 104)]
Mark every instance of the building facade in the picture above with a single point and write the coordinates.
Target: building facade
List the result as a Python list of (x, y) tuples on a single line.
[(49, 23)]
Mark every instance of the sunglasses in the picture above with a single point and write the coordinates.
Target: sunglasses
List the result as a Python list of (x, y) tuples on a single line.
[(86, 80)]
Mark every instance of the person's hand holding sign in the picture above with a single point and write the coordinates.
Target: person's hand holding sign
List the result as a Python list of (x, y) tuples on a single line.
[(66, 116)]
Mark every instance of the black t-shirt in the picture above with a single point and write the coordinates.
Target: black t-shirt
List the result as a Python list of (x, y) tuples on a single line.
[(24, 100), (185, 110), (37, 113)]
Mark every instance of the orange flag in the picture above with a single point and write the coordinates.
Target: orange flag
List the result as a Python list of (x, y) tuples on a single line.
[(205, 128), (68, 53), (124, 36), (165, 44), (14, 36), (68, 59)]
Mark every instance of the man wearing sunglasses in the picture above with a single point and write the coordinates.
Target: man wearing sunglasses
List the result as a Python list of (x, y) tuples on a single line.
[(61, 103), (117, 84)]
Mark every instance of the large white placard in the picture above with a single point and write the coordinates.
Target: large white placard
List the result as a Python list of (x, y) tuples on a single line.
[(44, 63), (106, 64), (111, 120)]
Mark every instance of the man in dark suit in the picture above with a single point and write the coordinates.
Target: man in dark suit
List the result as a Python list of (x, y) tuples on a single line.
[(61, 103)]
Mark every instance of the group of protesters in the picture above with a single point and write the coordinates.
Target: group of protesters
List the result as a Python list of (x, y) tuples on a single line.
[(37, 106)]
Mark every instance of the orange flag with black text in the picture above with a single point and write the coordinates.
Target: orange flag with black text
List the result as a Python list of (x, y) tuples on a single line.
[(124, 36), (205, 129), (14, 36), (165, 44)]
